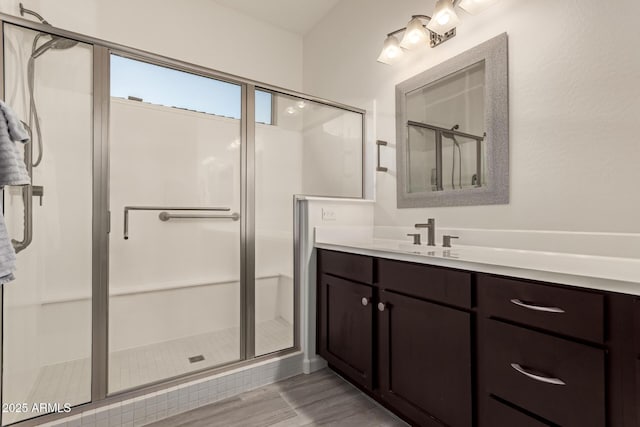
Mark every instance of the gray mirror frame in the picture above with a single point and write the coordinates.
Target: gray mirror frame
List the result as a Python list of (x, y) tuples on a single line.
[(495, 54)]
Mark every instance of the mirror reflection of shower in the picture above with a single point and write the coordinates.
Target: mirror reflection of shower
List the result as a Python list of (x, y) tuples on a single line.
[(453, 159), (42, 43)]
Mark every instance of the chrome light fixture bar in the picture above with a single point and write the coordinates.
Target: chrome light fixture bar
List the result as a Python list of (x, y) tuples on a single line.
[(422, 28)]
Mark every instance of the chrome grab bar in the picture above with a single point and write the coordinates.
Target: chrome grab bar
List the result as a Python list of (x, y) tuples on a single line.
[(537, 377), (161, 208), (166, 216), (28, 192)]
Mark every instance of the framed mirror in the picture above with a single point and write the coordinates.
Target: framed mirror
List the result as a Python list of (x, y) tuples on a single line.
[(452, 128)]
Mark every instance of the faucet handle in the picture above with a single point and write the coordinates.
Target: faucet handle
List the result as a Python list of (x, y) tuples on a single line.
[(416, 238), (446, 240)]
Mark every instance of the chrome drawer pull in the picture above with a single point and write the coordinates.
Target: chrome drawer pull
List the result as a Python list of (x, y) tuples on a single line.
[(520, 303), (365, 301), (548, 380)]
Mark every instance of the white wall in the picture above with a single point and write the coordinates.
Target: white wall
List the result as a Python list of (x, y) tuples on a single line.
[(198, 31), (574, 101)]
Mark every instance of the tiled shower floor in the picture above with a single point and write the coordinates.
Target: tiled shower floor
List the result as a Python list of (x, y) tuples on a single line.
[(69, 381)]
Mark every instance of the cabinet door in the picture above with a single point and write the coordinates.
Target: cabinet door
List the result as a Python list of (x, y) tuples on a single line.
[(425, 360), (345, 319)]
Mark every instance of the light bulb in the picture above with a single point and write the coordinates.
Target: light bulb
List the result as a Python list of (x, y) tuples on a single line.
[(391, 51), (415, 34), (290, 110), (444, 18)]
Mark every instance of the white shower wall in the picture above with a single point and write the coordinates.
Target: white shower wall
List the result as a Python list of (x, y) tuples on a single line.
[(177, 279)]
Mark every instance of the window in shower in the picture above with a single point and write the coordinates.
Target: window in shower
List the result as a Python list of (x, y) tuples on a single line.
[(174, 283), (312, 149), (154, 84), (46, 351)]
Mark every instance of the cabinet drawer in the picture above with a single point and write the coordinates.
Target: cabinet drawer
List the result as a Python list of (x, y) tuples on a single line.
[(500, 415), (349, 266), (569, 312), (432, 283), (522, 366)]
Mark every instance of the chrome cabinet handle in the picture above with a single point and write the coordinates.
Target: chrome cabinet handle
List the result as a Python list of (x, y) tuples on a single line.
[(543, 379), (365, 301), (520, 303), (381, 306)]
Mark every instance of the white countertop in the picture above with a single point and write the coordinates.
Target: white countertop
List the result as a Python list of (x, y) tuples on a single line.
[(614, 274)]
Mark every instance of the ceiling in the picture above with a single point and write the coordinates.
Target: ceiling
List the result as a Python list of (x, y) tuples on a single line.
[(297, 16)]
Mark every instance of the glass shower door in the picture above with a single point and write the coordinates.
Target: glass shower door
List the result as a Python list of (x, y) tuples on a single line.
[(301, 147), (47, 308), (174, 274)]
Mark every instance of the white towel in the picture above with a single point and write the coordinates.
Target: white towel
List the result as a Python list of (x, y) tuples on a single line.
[(13, 171), (7, 255)]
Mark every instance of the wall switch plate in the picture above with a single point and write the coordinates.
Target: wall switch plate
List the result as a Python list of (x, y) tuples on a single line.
[(328, 214)]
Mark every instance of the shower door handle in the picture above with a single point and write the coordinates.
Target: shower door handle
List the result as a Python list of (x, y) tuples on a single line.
[(165, 208), (166, 216)]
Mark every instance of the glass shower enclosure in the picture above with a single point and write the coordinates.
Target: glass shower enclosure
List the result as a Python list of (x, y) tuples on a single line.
[(156, 239)]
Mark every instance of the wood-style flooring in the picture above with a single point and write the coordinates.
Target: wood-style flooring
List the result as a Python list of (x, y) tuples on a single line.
[(318, 399)]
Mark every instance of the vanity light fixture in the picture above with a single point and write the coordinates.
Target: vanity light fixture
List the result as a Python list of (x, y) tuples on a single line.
[(416, 34), (391, 50), (422, 28), (444, 18)]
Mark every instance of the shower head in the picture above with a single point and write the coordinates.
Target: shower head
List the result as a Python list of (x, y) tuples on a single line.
[(451, 135), (56, 43)]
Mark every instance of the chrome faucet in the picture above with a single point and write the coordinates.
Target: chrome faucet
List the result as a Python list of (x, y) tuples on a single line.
[(431, 232)]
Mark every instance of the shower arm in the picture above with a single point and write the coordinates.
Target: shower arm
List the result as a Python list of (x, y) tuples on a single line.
[(39, 17)]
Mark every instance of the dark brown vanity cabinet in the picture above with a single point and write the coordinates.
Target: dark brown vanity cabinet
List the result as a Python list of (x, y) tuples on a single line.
[(553, 355), (345, 320), (424, 360), (424, 342), (444, 347), (346, 328), (405, 337)]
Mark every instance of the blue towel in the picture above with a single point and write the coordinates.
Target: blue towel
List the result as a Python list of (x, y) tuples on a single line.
[(13, 171)]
